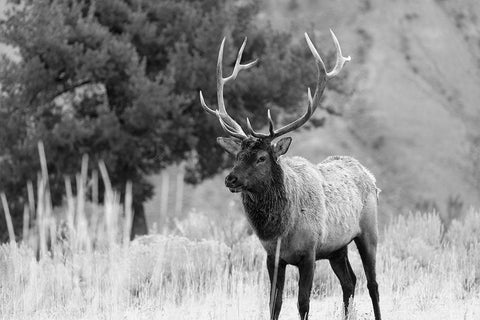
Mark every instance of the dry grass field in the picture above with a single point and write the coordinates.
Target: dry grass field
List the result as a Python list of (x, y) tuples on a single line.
[(424, 274), (76, 267)]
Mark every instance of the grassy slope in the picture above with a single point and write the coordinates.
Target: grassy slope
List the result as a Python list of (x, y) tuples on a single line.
[(422, 96), (415, 103)]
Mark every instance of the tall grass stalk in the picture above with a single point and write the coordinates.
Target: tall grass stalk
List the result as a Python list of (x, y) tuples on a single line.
[(274, 291), (8, 217)]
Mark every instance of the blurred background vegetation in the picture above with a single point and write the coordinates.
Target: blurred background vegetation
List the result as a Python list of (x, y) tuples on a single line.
[(119, 79)]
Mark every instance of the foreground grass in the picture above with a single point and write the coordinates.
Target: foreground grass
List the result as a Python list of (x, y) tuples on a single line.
[(424, 271), (79, 264)]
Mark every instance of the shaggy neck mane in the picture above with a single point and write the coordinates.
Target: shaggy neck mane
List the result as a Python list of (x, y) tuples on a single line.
[(267, 209)]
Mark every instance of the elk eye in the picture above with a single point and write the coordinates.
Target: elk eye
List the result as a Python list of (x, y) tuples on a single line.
[(261, 159)]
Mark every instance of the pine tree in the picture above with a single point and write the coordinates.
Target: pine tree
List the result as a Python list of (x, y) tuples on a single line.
[(119, 79)]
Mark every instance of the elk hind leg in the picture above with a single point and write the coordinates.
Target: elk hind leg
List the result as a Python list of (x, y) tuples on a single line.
[(343, 270), (367, 247)]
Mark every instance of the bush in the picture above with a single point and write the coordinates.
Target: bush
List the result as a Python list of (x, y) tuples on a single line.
[(465, 232), (229, 226), (158, 262), (415, 236)]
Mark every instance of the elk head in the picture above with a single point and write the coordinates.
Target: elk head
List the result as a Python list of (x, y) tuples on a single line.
[(256, 153)]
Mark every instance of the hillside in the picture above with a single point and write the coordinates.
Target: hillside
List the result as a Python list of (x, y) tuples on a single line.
[(415, 111), (413, 114), (420, 98)]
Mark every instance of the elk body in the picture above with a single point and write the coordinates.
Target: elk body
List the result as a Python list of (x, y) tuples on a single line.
[(301, 212)]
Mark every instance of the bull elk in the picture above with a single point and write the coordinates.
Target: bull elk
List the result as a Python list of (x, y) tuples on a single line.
[(304, 211)]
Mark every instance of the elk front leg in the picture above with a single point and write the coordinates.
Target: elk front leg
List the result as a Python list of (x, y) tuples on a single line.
[(306, 269), (276, 285)]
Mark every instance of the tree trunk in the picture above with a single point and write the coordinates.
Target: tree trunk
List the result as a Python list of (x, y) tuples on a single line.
[(139, 223)]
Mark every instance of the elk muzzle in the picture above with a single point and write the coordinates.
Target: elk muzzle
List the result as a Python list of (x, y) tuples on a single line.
[(232, 182)]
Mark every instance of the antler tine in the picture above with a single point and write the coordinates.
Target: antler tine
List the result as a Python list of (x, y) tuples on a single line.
[(205, 107), (270, 123), (228, 129), (253, 132), (227, 122), (238, 66), (315, 54), (259, 134), (322, 78), (295, 124), (309, 95), (221, 81), (250, 129), (340, 58)]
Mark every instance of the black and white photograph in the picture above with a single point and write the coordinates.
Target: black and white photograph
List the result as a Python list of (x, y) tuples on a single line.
[(239, 159)]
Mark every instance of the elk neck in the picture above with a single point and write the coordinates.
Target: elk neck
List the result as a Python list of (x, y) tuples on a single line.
[(267, 208)]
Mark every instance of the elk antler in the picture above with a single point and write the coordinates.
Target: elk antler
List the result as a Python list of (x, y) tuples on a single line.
[(313, 103), (228, 124)]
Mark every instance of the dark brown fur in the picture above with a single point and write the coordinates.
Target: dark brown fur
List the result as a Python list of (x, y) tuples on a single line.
[(266, 211)]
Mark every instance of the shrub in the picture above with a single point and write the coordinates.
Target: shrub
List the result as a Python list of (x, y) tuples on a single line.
[(229, 226), (248, 254), (157, 262), (416, 235), (465, 232)]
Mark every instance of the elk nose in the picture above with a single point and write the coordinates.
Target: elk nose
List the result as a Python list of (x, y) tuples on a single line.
[(231, 179)]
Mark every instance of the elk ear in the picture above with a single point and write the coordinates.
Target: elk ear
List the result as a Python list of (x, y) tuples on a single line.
[(231, 145), (281, 147)]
